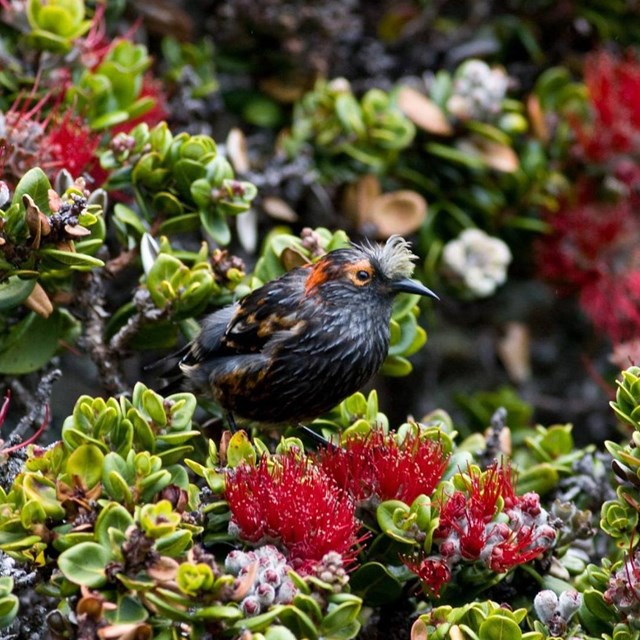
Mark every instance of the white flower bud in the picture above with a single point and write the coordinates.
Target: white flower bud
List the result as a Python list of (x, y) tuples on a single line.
[(546, 604), (569, 602)]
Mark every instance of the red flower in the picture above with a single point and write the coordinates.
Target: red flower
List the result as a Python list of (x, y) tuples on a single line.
[(432, 571), (38, 134), (291, 502), (468, 528), (516, 547), (614, 91), (376, 465), (623, 590), (593, 251), (72, 145)]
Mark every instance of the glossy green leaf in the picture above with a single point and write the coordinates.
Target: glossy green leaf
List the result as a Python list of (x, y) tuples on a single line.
[(85, 564), (499, 627), (86, 462), (14, 292)]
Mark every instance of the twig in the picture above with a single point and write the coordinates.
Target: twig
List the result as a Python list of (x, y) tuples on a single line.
[(91, 301), (146, 311), (38, 408)]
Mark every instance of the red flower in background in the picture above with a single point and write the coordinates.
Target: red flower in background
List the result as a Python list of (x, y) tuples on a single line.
[(614, 92), (72, 145), (594, 252), (292, 503), (41, 134)]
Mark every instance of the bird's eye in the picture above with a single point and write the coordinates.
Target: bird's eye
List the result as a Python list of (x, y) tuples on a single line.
[(363, 275)]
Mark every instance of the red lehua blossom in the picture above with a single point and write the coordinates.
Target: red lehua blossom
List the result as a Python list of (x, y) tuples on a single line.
[(293, 503), (95, 45), (50, 140), (468, 528), (517, 546), (433, 572), (377, 465), (614, 92), (72, 145), (593, 251)]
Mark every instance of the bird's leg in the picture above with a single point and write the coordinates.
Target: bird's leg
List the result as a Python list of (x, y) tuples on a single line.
[(232, 422), (316, 437)]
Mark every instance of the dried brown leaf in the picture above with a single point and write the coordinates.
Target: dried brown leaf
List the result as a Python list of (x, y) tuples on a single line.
[(39, 302), (423, 112), (278, 209), (401, 212), (514, 351), (237, 150)]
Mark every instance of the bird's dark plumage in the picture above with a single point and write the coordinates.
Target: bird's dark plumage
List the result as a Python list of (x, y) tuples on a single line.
[(294, 348)]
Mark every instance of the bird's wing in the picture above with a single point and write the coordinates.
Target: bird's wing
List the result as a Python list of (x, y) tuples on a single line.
[(209, 342), (257, 321)]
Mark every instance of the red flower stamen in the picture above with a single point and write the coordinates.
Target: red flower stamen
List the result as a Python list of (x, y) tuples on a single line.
[(468, 529), (376, 465), (433, 572), (291, 502)]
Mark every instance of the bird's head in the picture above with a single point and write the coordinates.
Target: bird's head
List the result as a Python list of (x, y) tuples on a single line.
[(367, 271)]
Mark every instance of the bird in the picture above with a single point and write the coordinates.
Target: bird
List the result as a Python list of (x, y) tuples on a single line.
[(297, 346)]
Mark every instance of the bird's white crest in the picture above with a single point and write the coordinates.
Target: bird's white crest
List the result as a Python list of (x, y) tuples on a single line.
[(394, 257)]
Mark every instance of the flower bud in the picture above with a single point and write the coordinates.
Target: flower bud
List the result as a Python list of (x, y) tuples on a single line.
[(569, 602), (545, 603), (266, 594), (251, 606)]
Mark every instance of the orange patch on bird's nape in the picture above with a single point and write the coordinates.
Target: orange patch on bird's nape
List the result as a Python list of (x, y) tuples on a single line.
[(319, 273)]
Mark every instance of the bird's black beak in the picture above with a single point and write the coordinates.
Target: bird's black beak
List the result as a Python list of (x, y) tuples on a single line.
[(412, 286)]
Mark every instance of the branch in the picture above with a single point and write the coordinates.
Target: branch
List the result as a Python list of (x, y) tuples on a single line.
[(146, 312), (38, 408), (91, 305)]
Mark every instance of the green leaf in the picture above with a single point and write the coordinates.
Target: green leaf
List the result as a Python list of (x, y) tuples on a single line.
[(498, 627), (396, 366), (71, 258), (593, 601), (43, 491), (340, 617), (86, 462), (85, 564), (14, 292), (113, 515), (215, 224), (375, 585), (180, 224), (9, 605), (240, 450), (128, 611), (36, 184), (32, 342)]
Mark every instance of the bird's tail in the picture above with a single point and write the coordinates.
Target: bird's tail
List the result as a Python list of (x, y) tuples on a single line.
[(168, 373)]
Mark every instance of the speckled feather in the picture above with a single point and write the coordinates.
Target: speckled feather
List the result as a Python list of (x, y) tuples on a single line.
[(297, 346)]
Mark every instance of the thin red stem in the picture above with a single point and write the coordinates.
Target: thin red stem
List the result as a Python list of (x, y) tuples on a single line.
[(5, 406), (34, 437)]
